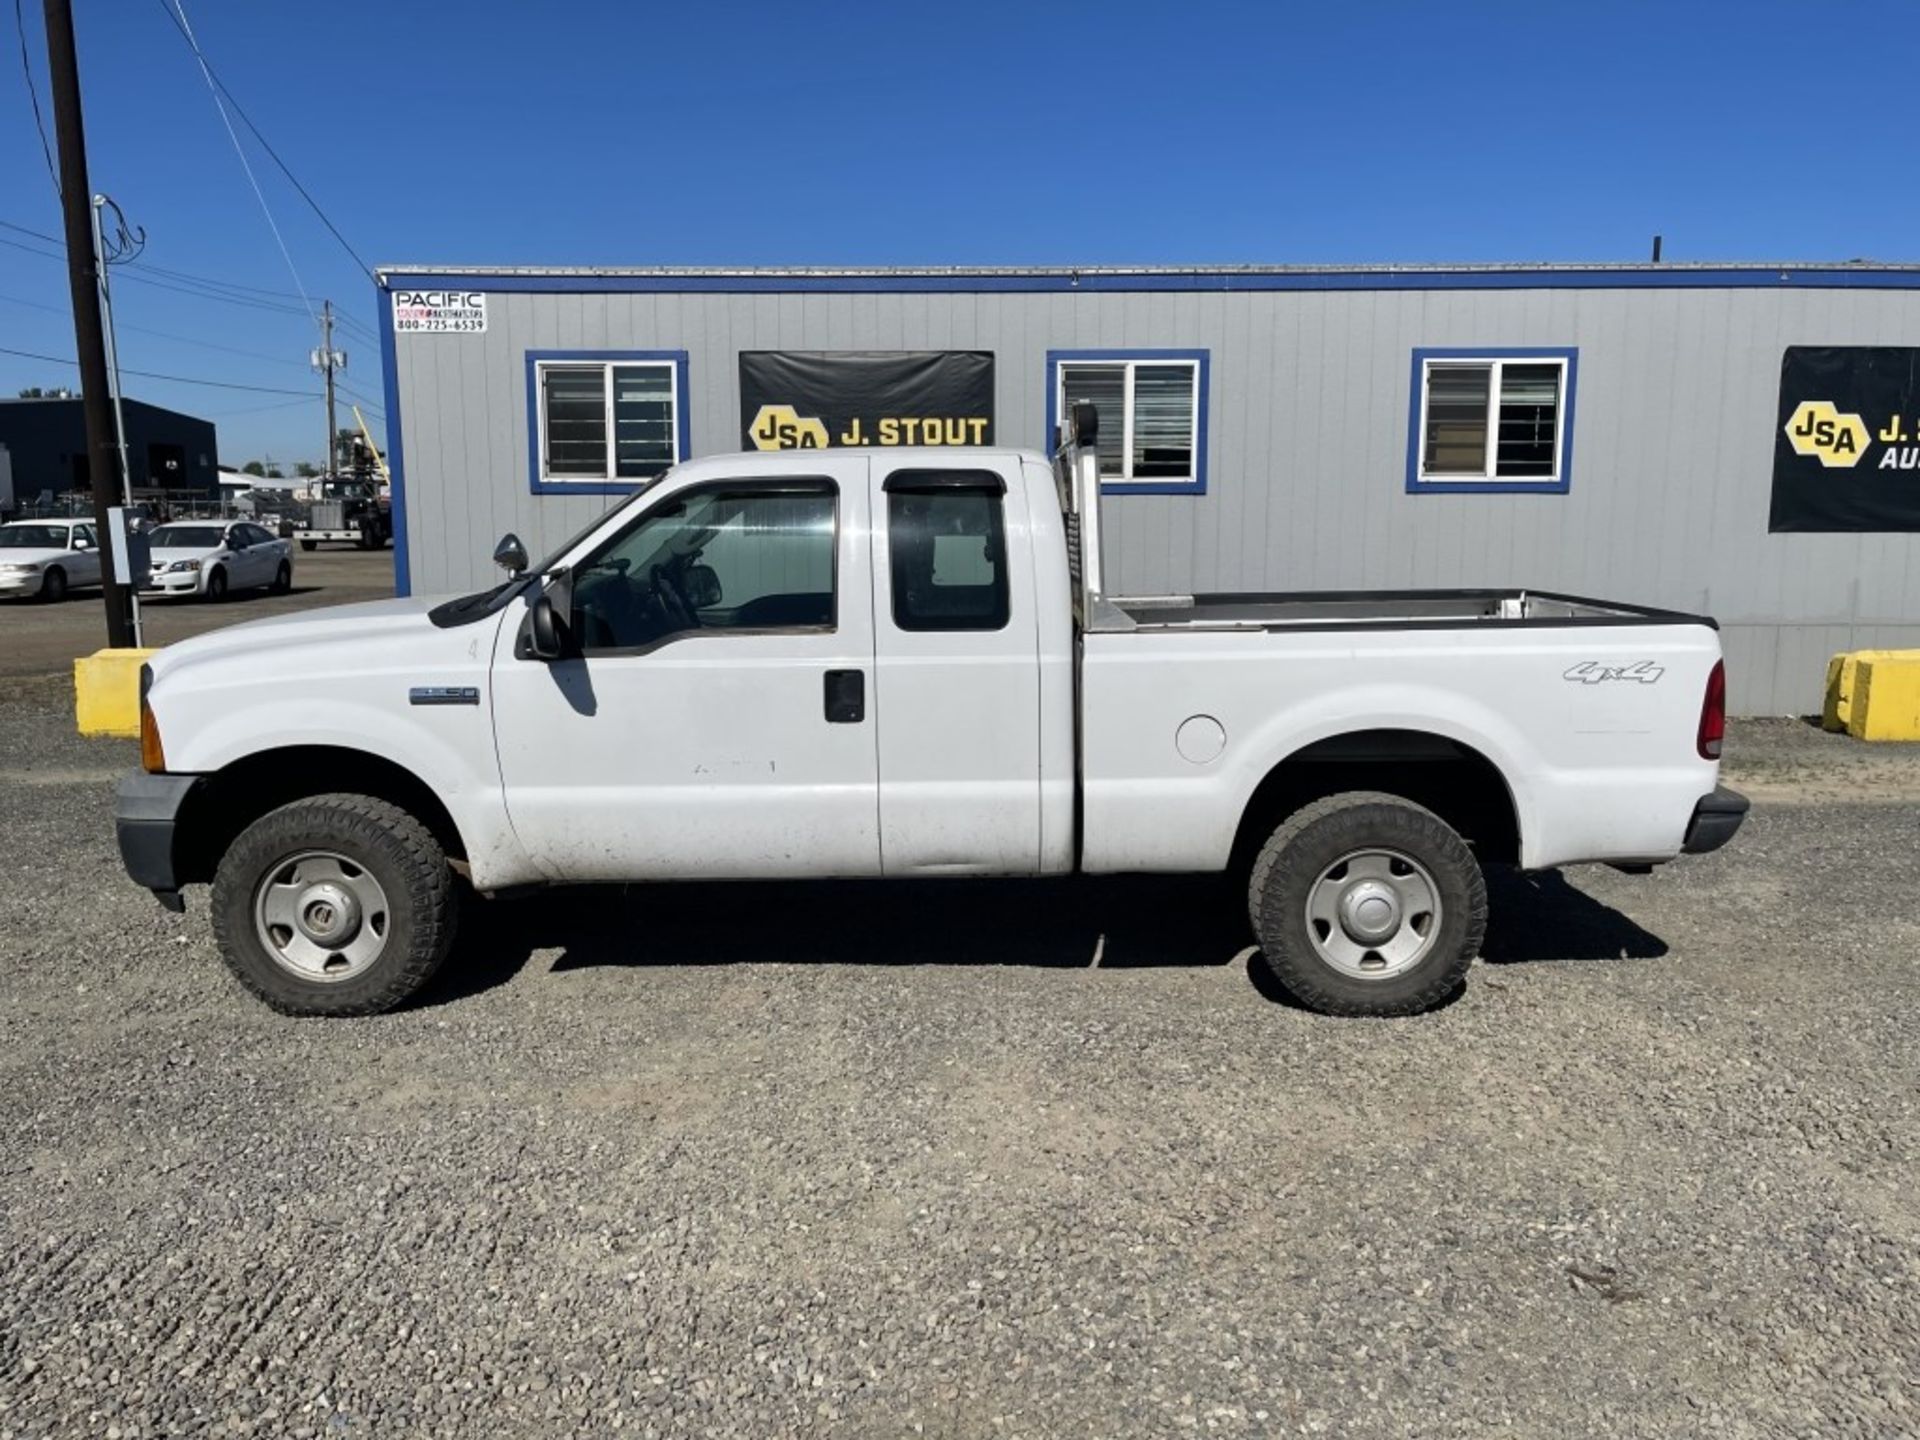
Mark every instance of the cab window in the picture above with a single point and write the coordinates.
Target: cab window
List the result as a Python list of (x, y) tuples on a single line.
[(732, 556), (948, 540)]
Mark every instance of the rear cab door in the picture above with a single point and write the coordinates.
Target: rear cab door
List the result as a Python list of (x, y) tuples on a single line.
[(956, 666)]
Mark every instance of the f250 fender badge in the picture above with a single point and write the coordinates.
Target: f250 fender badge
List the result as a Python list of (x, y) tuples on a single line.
[(444, 695), (1592, 672)]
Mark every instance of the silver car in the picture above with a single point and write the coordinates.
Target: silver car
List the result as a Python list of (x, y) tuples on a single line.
[(212, 557)]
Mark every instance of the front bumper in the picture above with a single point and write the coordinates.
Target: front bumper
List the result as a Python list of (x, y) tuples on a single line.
[(1715, 819), (146, 822), (30, 581), (165, 582)]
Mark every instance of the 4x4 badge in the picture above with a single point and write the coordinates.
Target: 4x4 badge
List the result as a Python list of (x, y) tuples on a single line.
[(1592, 672)]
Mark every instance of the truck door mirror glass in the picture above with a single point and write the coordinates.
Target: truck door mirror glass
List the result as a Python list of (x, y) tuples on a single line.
[(546, 638), (510, 554)]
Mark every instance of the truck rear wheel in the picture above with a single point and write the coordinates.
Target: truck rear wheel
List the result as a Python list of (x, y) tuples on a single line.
[(334, 905), (1367, 904)]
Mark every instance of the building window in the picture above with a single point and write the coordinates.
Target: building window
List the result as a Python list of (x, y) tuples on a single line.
[(605, 421), (1152, 406), (1491, 420)]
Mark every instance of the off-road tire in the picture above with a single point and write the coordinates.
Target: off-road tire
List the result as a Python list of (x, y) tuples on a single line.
[(1319, 834), (53, 585), (282, 579), (402, 855), (217, 585)]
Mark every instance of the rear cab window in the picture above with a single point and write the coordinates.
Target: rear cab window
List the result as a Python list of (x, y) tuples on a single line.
[(946, 535)]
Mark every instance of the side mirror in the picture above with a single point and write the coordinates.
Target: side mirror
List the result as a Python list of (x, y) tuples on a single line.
[(510, 555), (80, 542), (547, 617), (544, 631)]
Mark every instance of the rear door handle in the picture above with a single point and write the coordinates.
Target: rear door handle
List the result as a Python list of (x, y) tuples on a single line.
[(846, 696)]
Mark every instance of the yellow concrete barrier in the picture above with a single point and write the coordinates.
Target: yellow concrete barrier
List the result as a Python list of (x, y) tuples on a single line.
[(1842, 680), (106, 692), (1886, 696)]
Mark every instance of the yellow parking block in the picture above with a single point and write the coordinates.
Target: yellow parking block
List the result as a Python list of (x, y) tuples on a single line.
[(1886, 696), (106, 692)]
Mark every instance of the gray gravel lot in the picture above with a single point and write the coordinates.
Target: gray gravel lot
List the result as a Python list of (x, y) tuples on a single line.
[(778, 1160)]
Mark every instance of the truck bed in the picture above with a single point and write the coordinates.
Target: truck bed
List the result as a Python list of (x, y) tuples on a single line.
[(1373, 609)]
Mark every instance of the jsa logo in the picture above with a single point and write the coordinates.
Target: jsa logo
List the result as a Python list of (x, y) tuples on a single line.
[(1592, 672), (781, 427), (1816, 428)]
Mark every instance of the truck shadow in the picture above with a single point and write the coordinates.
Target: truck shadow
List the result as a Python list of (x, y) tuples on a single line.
[(1539, 916), (1114, 922)]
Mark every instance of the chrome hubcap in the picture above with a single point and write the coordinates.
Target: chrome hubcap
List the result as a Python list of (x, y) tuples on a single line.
[(1373, 914), (322, 916)]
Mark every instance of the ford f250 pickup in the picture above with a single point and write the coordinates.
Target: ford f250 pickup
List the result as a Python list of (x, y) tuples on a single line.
[(903, 662)]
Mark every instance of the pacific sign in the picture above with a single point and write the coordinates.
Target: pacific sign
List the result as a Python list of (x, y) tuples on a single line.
[(439, 312)]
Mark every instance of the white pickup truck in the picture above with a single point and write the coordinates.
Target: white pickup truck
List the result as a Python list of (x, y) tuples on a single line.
[(902, 663)]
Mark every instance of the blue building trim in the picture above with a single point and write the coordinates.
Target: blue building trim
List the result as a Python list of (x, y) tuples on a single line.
[(1625, 277), (682, 440), (1564, 461), (1195, 486), (396, 466)]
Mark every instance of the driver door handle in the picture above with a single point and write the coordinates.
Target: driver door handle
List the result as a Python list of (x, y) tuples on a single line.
[(846, 697)]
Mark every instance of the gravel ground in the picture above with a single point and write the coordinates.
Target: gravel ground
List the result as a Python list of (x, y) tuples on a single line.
[(776, 1160)]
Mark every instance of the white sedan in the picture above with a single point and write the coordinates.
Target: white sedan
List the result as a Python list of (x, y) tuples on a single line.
[(213, 557), (47, 558)]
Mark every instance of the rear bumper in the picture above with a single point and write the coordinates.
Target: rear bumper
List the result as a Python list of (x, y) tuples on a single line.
[(1715, 819), (146, 819)]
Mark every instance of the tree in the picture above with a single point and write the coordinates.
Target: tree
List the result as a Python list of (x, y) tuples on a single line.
[(253, 467), (274, 473), (305, 469), (58, 392)]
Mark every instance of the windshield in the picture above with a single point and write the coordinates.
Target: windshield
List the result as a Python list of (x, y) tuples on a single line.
[(186, 537), (33, 537)]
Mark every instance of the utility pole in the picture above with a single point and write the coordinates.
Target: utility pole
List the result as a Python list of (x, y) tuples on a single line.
[(76, 207), (327, 360)]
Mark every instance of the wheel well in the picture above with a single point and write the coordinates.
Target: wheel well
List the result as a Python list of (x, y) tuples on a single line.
[(1453, 780), (226, 802)]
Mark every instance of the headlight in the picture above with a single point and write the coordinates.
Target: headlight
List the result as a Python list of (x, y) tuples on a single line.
[(31, 568), (183, 565)]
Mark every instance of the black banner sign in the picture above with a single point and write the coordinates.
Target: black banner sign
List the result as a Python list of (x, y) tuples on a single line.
[(814, 399), (1847, 453)]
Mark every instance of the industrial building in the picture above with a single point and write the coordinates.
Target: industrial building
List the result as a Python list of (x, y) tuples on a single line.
[(169, 455), (1740, 440)]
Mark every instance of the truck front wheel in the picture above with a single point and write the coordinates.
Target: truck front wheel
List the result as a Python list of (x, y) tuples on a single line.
[(1367, 904), (334, 905)]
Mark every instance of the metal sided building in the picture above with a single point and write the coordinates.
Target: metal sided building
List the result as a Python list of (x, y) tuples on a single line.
[(1739, 440)]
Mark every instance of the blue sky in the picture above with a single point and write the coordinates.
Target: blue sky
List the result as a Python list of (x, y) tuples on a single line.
[(607, 131)]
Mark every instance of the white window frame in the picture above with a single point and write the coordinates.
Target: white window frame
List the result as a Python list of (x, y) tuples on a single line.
[(1126, 475), (607, 367), (1487, 475)]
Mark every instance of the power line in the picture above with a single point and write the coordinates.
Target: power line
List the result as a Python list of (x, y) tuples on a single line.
[(163, 334), (178, 379), (33, 95), (179, 23), (144, 271), (179, 7)]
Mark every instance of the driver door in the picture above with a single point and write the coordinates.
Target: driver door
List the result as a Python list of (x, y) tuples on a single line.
[(715, 718)]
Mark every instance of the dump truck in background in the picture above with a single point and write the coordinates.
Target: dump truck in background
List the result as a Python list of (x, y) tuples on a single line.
[(347, 509)]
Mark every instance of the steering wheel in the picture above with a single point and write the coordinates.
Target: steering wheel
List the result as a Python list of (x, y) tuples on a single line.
[(672, 603)]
